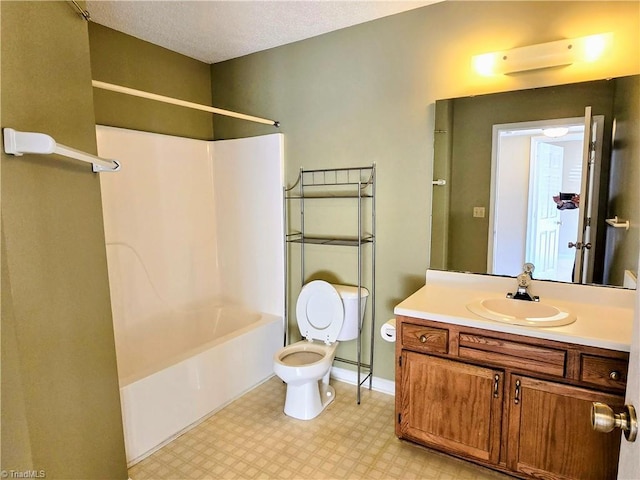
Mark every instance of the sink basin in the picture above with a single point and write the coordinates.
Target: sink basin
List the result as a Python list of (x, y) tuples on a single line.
[(521, 312)]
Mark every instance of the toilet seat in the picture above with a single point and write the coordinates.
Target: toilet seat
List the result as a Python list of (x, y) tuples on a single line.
[(319, 312), (301, 357), (306, 356)]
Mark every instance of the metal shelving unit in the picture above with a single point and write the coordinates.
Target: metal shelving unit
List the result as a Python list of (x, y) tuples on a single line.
[(358, 184)]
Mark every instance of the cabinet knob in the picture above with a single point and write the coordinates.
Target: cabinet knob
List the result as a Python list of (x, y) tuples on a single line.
[(423, 338), (615, 375), (603, 419)]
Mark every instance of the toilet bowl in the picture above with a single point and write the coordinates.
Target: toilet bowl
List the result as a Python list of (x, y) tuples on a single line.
[(325, 314), (305, 366)]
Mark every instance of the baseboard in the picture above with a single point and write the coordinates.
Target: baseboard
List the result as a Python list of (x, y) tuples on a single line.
[(378, 384)]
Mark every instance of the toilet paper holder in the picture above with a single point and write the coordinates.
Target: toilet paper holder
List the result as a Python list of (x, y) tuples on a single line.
[(388, 330)]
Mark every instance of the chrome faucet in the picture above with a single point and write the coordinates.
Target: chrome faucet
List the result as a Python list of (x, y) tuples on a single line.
[(524, 282)]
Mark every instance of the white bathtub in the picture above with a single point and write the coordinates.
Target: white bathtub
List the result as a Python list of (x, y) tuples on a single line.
[(188, 365)]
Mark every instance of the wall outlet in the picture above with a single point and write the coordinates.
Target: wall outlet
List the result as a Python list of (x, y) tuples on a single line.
[(478, 212)]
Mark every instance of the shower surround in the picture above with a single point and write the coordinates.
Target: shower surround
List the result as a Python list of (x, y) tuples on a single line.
[(196, 270)]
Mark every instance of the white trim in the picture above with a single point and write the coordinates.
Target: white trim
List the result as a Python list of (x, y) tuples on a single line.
[(378, 384)]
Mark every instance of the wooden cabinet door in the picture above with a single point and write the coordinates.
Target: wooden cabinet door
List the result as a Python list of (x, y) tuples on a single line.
[(550, 434), (451, 405)]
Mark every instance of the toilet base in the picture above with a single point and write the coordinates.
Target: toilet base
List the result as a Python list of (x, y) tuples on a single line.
[(308, 400)]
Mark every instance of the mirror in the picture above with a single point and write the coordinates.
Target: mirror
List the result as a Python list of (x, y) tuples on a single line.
[(472, 215)]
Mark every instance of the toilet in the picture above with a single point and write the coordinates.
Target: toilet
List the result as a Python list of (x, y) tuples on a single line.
[(326, 314)]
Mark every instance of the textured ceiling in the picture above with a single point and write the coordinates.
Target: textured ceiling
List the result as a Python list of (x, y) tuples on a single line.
[(217, 30)]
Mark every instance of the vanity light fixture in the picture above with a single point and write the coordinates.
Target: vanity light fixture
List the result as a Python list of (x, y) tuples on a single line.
[(543, 55)]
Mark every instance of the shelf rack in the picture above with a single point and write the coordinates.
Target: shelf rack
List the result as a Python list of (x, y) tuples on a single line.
[(356, 183)]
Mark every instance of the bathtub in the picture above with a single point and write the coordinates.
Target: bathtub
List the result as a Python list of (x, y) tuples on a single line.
[(177, 369)]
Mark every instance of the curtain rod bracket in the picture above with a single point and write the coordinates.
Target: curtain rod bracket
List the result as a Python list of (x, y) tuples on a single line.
[(99, 168), (81, 11)]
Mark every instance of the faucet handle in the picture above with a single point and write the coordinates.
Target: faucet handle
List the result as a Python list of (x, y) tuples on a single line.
[(524, 280), (528, 268)]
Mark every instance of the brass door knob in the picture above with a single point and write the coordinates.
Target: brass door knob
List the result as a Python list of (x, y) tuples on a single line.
[(603, 419)]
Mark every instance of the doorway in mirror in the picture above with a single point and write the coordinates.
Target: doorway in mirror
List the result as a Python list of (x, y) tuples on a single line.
[(541, 163)]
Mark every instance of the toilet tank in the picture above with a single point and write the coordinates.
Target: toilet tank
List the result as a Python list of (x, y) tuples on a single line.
[(349, 296)]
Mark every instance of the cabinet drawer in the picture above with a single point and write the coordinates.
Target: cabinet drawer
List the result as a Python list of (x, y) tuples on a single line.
[(428, 339), (607, 372), (517, 355)]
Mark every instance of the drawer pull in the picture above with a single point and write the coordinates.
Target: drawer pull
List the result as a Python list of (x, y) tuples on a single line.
[(428, 339), (517, 399), (615, 375), (496, 383)]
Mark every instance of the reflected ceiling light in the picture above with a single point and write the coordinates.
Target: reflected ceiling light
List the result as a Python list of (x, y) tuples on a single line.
[(555, 132), (543, 55)]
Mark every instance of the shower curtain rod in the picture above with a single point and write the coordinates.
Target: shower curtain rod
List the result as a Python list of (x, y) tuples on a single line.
[(81, 11), (181, 103), (18, 143)]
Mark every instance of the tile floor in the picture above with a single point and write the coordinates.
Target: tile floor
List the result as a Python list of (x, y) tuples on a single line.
[(252, 439)]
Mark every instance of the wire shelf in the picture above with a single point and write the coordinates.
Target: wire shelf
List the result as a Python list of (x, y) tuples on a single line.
[(356, 183), (336, 177), (325, 240)]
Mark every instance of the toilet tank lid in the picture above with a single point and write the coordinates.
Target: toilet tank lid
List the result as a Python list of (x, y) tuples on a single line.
[(349, 291)]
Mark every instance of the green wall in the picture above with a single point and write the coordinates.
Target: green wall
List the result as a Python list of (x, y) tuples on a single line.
[(366, 94), (60, 396), (130, 62)]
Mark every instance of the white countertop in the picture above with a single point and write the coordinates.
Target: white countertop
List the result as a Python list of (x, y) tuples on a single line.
[(604, 314)]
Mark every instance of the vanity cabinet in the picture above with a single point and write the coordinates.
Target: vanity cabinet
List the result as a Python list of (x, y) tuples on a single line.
[(453, 405), (514, 403), (550, 434)]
